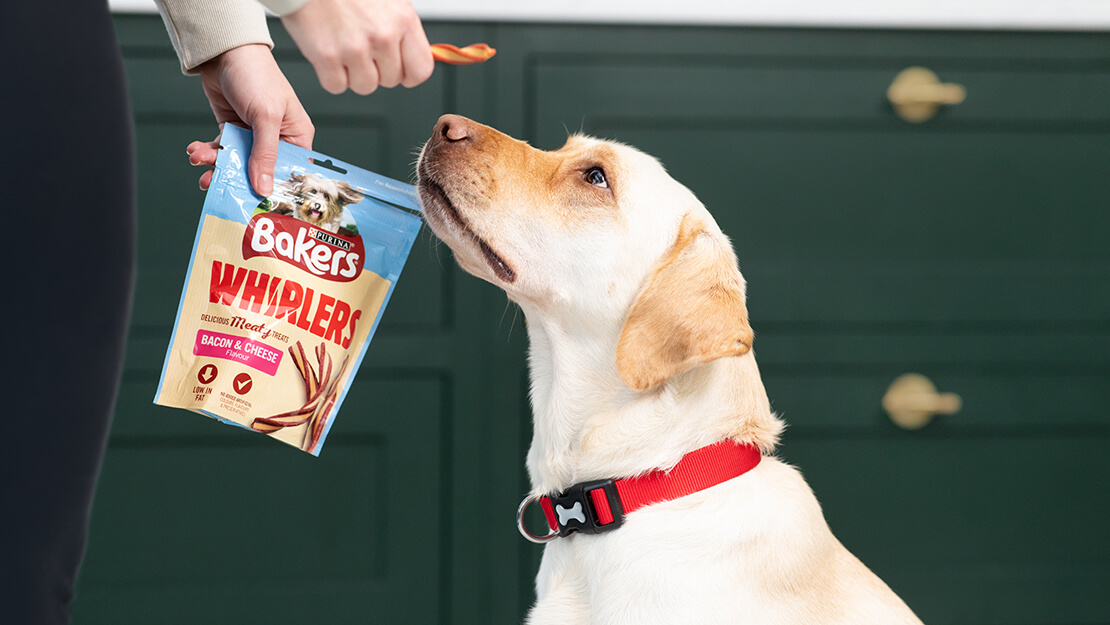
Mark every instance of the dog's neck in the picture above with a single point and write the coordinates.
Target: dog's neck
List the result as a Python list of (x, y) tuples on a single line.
[(589, 425)]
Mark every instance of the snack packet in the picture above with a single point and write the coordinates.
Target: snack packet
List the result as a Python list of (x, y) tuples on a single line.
[(284, 293)]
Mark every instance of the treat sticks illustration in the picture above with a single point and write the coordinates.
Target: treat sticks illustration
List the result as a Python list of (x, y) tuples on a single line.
[(321, 391)]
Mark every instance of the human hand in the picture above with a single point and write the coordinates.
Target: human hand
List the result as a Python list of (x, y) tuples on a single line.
[(245, 86), (361, 44)]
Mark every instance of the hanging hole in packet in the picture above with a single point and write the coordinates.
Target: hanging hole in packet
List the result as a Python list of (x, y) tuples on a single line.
[(283, 294), (327, 164)]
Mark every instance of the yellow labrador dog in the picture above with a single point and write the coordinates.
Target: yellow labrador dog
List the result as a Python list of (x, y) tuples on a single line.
[(651, 455)]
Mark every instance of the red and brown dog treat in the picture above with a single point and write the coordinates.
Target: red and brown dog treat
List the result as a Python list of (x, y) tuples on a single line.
[(474, 53)]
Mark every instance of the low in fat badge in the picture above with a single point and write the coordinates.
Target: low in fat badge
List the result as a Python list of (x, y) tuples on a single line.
[(207, 374)]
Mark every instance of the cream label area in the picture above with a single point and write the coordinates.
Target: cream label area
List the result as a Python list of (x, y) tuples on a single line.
[(245, 320)]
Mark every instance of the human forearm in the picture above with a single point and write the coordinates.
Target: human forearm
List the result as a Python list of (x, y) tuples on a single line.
[(201, 30)]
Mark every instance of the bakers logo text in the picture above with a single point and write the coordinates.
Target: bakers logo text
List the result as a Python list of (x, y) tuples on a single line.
[(329, 256)]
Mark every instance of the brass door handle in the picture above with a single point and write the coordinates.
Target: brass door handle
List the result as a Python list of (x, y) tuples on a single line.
[(912, 401), (917, 94)]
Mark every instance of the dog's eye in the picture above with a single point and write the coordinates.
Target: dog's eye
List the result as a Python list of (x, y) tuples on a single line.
[(596, 177)]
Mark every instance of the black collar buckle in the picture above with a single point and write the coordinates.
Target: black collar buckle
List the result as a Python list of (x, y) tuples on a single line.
[(588, 507)]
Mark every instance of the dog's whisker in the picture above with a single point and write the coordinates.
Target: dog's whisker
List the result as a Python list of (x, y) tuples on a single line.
[(502, 321), (434, 246), (516, 315)]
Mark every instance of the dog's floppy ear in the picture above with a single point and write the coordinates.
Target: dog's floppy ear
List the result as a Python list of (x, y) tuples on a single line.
[(690, 312), (291, 185), (348, 195)]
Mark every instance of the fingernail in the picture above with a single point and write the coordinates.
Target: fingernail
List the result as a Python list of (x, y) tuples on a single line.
[(265, 184)]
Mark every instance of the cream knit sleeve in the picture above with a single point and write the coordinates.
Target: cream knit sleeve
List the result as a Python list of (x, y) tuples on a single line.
[(203, 29), (283, 7)]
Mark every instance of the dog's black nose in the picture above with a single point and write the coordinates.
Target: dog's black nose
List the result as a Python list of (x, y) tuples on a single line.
[(455, 128)]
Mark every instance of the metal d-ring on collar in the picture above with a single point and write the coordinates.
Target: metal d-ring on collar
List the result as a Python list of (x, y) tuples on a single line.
[(531, 499)]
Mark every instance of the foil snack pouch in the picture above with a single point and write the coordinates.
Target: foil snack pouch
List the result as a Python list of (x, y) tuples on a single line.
[(284, 293)]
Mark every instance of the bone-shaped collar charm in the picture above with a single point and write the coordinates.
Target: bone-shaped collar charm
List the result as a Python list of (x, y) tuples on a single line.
[(574, 513)]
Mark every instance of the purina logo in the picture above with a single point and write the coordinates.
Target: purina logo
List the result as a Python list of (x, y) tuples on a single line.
[(329, 256), (330, 239)]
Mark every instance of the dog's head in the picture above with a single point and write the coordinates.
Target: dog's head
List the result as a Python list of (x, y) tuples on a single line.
[(596, 233), (319, 200)]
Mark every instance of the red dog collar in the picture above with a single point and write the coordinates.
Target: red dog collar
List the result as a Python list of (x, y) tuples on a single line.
[(600, 506)]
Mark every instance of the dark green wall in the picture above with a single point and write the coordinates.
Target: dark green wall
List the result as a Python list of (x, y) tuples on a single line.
[(973, 249)]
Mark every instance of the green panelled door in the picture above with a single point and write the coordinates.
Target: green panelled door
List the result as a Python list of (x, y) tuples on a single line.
[(972, 248)]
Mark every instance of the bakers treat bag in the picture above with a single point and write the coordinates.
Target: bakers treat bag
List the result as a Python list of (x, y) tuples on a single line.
[(284, 293)]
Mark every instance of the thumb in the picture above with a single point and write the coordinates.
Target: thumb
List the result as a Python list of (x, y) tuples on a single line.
[(263, 158)]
